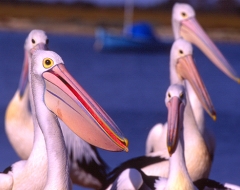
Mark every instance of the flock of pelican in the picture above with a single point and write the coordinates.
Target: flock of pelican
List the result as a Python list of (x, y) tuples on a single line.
[(57, 124)]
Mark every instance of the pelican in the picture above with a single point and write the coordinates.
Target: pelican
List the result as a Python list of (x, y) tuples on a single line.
[(198, 161), (18, 117), (135, 179), (186, 26), (132, 178), (182, 69), (55, 93), (20, 131), (178, 177)]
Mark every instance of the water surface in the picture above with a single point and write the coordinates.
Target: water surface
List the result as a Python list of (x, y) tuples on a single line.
[(131, 88)]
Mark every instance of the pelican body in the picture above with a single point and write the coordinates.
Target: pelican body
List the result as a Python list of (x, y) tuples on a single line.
[(182, 69), (178, 177), (186, 26), (18, 117), (55, 93), (20, 130), (196, 155)]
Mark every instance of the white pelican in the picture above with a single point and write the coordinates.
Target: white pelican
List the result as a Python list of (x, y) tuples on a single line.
[(182, 69), (198, 160), (18, 118), (178, 177), (131, 178), (55, 93), (186, 26), (87, 167), (135, 179)]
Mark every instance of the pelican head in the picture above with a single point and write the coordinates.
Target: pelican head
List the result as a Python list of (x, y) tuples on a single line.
[(180, 13), (36, 38), (186, 26), (72, 104), (175, 101), (183, 63)]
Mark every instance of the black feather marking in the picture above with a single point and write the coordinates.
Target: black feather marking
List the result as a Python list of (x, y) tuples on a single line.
[(8, 169), (149, 180), (99, 171), (137, 163), (204, 182)]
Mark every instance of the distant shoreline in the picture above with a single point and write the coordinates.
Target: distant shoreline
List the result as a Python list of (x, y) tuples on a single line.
[(80, 19)]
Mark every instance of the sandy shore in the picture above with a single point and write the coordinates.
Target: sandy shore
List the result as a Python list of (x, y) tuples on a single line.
[(83, 19)]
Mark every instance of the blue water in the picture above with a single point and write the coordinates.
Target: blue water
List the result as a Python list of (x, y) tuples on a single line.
[(131, 88)]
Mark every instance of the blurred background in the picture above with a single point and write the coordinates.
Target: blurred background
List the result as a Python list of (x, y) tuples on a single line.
[(130, 86), (82, 16)]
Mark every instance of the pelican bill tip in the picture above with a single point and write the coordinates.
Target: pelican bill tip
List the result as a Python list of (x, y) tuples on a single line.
[(126, 144), (170, 150), (238, 80), (126, 149), (214, 116)]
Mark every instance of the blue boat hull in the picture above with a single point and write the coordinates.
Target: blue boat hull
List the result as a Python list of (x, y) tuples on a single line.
[(106, 41)]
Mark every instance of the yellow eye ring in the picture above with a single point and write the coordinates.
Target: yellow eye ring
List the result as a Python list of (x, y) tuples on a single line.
[(47, 63)]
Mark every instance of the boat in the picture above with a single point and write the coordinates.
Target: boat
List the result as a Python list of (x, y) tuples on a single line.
[(135, 37)]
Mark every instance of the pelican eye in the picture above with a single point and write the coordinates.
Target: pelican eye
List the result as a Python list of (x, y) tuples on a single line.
[(184, 14), (33, 41), (47, 63), (169, 95), (181, 51)]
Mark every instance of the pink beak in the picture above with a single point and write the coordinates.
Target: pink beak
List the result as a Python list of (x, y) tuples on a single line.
[(175, 122), (191, 31), (71, 103), (187, 70)]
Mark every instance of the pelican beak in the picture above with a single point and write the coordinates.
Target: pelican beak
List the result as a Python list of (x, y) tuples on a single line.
[(71, 103), (191, 31), (175, 123), (24, 75), (186, 69)]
